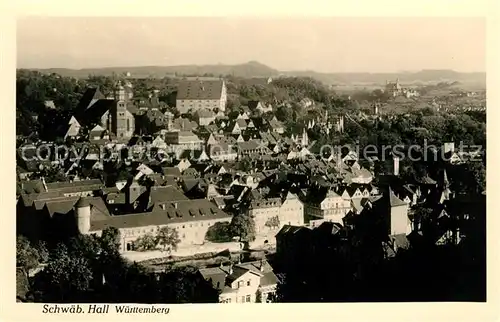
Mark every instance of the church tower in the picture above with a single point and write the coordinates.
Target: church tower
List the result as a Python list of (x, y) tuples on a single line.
[(123, 121)]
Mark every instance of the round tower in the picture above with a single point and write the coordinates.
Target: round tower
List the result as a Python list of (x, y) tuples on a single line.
[(82, 214)]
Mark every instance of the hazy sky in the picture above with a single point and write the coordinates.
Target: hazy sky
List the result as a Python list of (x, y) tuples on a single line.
[(320, 44)]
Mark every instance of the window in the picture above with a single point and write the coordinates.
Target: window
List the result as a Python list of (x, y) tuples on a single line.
[(218, 284), (242, 299), (248, 283), (128, 124), (248, 299)]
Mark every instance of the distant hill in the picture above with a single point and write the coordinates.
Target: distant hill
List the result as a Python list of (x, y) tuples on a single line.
[(256, 69), (250, 69), (404, 77)]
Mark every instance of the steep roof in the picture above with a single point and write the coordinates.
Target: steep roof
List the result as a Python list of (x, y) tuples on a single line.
[(395, 201), (200, 89)]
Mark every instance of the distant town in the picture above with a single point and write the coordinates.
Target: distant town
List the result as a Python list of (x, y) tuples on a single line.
[(204, 188)]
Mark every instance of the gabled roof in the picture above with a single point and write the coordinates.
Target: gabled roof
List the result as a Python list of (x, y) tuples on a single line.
[(395, 201)]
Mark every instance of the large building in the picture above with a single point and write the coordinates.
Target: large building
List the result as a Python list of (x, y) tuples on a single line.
[(115, 116), (193, 95), (272, 214), (191, 219), (325, 205)]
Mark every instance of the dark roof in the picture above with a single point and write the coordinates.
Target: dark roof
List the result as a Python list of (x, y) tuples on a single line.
[(197, 89), (177, 212), (171, 171), (395, 201), (82, 202), (290, 230), (166, 194)]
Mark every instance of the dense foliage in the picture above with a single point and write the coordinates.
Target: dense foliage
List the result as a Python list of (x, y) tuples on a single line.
[(88, 268)]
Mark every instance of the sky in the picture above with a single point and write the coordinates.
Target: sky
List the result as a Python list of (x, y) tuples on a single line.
[(336, 44)]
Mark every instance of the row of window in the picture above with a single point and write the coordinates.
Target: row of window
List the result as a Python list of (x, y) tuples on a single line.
[(243, 299), (152, 230)]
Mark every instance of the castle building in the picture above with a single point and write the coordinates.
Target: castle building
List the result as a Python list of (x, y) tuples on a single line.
[(191, 218)]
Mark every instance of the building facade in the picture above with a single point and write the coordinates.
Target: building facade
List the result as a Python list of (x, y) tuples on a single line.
[(193, 95)]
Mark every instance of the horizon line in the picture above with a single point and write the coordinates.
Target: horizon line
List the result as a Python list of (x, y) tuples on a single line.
[(248, 62)]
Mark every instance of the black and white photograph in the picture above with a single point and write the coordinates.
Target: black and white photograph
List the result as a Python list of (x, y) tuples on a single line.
[(170, 160)]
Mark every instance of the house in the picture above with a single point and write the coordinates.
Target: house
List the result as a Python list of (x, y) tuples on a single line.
[(271, 214), (201, 94), (182, 124), (204, 117), (243, 115), (251, 282), (325, 205), (276, 126), (178, 142), (260, 106), (222, 152), (238, 126)]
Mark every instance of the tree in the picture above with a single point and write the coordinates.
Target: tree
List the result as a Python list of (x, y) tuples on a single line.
[(27, 256), (186, 285), (219, 232), (110, 239), (422, 216), (145, 243), (65, 279), (168, 238), (283, 113), (243, 226)]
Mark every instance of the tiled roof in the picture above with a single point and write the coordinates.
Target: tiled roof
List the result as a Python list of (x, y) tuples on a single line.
[(265, 203), (178, 212), (166, 194), (221, 275), (197, 90)]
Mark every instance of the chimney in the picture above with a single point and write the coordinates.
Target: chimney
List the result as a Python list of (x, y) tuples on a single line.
[(261, 265), (230, 268)]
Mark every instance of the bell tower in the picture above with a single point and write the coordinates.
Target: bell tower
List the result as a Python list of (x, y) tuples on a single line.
[(122, 126)]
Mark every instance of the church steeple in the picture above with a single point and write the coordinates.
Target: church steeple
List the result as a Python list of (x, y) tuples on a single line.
[(119, 92)]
